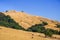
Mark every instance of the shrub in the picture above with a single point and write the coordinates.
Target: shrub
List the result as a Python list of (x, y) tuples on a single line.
[(44, 23), (36, 28), (58, 25), (22, 11), (59, 32), (48, 33)]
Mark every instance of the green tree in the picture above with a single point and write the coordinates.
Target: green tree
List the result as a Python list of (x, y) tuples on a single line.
[(37, 28), (44, 23), (48, 33), (58, 25)]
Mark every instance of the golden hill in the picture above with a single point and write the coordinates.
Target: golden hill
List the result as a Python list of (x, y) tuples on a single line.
[(26, 20), (13, 34)]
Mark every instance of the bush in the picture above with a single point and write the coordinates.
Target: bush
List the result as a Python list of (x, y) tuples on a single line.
[(44, 23), (22, 11), (59, 32), (48, 33), (37, 28), (58, 25), (54, 31)]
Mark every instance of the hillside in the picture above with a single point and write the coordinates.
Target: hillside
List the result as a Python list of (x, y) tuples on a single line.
[(22, 26), (7, 21), (26, 20), (13, 34)]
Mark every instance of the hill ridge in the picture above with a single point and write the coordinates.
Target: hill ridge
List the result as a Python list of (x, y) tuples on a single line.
[(26, 20)]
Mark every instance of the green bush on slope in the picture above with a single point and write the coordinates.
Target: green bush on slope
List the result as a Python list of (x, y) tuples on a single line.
[(58, 25), (48, 33), (41, 29), (7, 21)]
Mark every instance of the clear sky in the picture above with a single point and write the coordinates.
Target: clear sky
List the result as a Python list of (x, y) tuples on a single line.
[(46, 8)]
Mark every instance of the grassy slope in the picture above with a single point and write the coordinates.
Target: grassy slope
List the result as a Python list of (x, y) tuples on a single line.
[(7, 21), (27, 21), (13, 34)]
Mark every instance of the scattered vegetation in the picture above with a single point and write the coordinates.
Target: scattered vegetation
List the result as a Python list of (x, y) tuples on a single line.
[(22, 11), (7, 21), (37, 28), (58, 25), (44, 23), (41, 29), (48, 33), (6, 10)]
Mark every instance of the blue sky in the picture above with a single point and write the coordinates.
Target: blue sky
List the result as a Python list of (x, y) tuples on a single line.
[(46, 8)]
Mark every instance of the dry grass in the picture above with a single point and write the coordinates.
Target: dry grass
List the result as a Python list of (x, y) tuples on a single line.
[(27, 21), (13, 34)]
